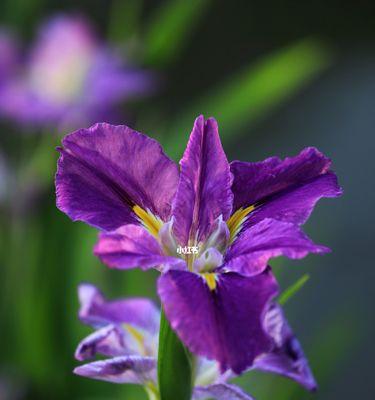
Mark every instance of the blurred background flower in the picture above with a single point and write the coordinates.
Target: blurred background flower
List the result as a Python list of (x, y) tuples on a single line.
[(9, 55), (278, 78), (68, 78)]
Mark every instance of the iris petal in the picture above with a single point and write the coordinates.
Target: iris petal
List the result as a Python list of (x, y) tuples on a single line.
[(225, 323), (251, 251), (220, 391), (106, 170), (125, 369), (204, 188)]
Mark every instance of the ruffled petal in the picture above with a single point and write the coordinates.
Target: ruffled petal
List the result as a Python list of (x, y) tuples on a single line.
[(287, 357), (219, 318), (204, 189), (105, 170), (132, 246), (269, 238), (254, 181), (97, 311), (296, 203), (126, 369), (283, 189), (108, 341), (220, 391)]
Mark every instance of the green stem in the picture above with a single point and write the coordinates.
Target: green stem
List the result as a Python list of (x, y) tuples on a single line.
[(174, 365)]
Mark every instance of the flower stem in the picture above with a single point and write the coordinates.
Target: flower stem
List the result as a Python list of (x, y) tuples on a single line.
[(174, 365)]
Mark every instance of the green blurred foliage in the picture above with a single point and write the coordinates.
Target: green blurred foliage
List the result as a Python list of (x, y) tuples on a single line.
[(170, 28), (293, 289)]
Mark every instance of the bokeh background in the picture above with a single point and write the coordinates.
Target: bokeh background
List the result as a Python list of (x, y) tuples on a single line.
[(278, 76)]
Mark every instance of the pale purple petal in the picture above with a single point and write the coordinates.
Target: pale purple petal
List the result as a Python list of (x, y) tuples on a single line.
[(295, 204), (97, 311), (108, 341), (111, 80), (219, 237), (203, 192), (254, 181), (224, 324), (126, 369), (208, 372), (9, 55), (104, 170), (251, 251), (220, 391), (167, 239), (287, 358), (132, 246), (209, 260)]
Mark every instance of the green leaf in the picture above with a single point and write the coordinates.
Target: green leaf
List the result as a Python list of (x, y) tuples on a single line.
[(169, 28), (255, 91), (288, 293), (174, 365)]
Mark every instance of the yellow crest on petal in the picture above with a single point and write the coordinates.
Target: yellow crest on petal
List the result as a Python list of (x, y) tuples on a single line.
[(137, 336), (236, 221), (150, 221), (210, 279)]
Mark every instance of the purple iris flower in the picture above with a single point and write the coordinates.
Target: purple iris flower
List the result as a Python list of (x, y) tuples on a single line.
[(69, 78), (210, 227), (127, 332)]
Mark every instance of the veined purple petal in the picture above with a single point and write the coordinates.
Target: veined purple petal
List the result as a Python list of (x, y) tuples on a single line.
[(104, 170), (132, 246), (97, 311), (220, 391), (203, 192), (225, 323), (126, 369), (258, 180), (287, 358), (295, 204), (251, 251), (108, 341)]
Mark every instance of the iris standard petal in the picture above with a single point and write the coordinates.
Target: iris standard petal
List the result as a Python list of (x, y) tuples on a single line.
[(108, 341), (219, 318), (220, 391), (132, 246), (97, 311), (203, 192), (250, 252), (126, 369), (254, 181), (287, 357), (106, 170)]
